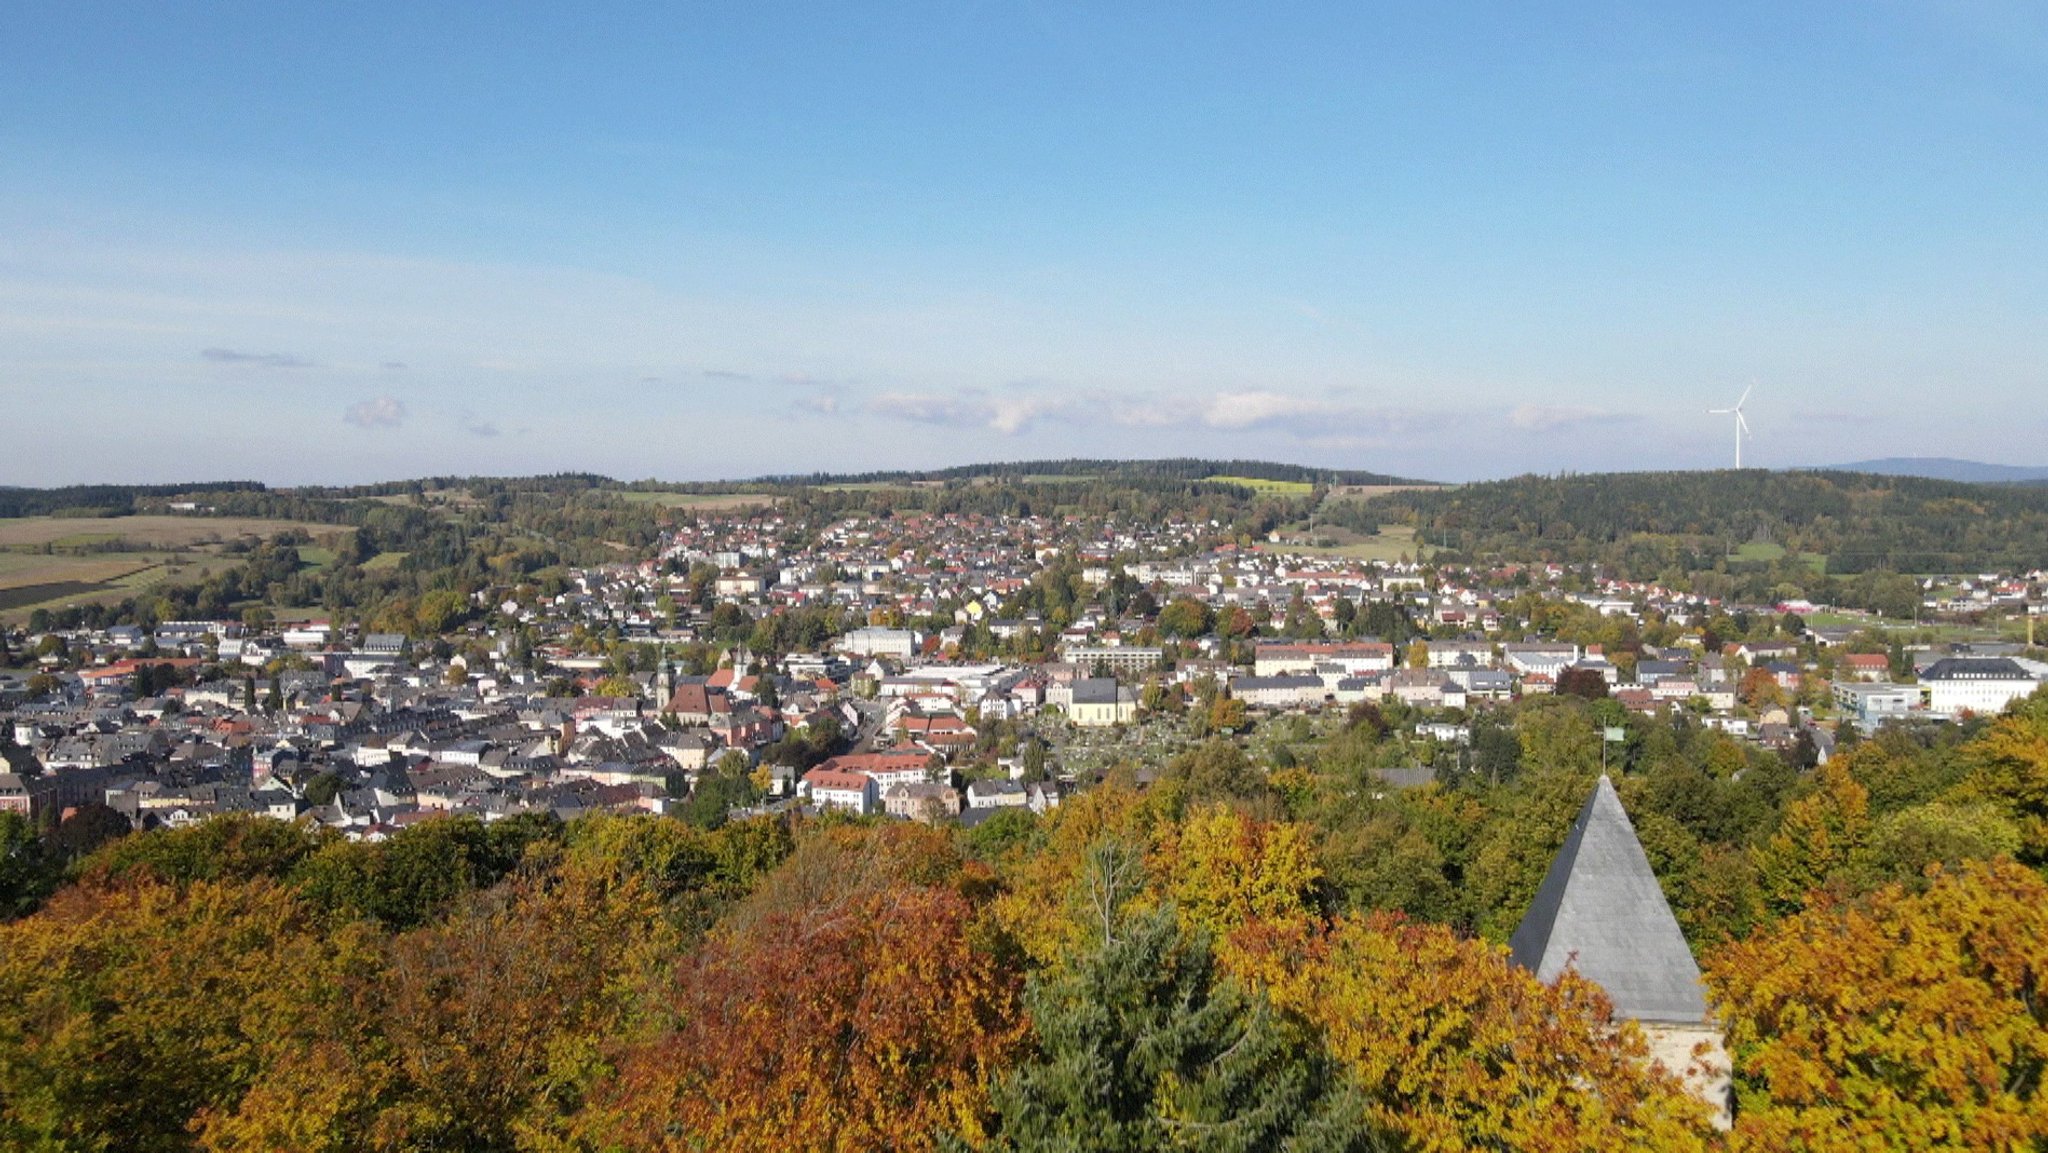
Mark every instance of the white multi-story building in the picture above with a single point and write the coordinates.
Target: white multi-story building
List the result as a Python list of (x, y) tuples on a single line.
[(1353, 657), (832, 789), (1957, 685)]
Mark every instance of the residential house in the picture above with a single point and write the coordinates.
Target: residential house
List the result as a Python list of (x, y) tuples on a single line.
[(924, 801)]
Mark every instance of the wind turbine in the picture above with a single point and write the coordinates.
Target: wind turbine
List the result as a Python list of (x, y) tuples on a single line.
[(1741, 425)]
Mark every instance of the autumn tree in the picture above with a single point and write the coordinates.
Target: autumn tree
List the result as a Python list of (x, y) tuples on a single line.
[(1822, 834), (1039, 907), (1223, 870), (1585, 683), (1907, 1021), (497, 1019), (844, 1006), (139, 1012), (1455, 1048), (2008, 766), (1186, 617)]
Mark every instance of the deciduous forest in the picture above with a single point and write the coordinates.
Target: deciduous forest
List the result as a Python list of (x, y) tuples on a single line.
[(1221, 954)]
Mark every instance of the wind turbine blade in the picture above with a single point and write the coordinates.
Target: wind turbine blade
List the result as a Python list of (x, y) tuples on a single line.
[(1741, 423), (1719, 411), (1745, 397)]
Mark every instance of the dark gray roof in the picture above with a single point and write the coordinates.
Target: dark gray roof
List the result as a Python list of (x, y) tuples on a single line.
[(1600, 911), (1975, 669), (1283, 681), (1095, 691)]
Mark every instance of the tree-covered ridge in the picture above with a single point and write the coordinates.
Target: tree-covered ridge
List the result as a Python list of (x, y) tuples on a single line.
[(1646, 523), (107, 499), (1178, 468)]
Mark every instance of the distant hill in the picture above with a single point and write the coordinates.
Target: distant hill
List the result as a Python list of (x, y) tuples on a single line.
[(1648, 523), (1945, 468), (1182, 469)]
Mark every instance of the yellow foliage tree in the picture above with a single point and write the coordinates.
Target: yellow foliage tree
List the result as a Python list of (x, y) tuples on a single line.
[(1822, 833), (2009, 766), (1037, 908), (1909, 1021), (1224, 870), (142, 1012), (1458, 1049)]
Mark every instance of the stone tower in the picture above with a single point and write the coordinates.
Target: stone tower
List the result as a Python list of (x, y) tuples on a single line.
[(1600, 911)]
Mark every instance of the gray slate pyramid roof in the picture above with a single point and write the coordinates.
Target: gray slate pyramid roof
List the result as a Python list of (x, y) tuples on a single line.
[(1600, 911)]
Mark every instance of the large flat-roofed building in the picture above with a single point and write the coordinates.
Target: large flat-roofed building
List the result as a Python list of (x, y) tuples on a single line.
[(1353, 657), (1872, 704), (1120, 660), (879, 642)]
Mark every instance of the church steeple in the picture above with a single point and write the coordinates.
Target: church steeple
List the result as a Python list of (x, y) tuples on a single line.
[(1601, 912)]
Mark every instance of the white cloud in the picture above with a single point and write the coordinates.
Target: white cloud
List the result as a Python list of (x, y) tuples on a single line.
[(263, 359), (1549, 418), (381, 412), (925, 408), (1260, 408)]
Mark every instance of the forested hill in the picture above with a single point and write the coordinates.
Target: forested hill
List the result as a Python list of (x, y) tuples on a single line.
[(106, 499), (1648, 523), (1946, 468), (1181, 469)]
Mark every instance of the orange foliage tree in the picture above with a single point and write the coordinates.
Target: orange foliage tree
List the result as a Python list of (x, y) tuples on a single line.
[(845, 1006), (1908, 1021)]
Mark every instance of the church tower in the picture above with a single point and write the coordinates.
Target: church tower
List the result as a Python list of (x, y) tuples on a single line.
[(1601, 912)]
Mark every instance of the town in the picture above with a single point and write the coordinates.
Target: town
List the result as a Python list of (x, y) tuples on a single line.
[(932, 668)]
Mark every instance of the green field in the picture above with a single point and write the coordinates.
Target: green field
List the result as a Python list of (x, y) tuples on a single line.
[(144, 532), (1768, 552), (875, 486), (384, 560), (1391, 544), (706, 501), (1266, 487), (56, 562), (29, 581)]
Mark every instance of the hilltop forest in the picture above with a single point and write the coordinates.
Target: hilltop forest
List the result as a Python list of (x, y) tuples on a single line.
[(1837, 538), (1648, 524)]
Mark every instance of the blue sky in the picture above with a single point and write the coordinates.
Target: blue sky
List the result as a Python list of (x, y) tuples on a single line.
[(339, 243)]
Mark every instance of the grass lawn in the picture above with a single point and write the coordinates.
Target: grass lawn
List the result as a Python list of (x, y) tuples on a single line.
[(1764, 551), (384, 560)]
